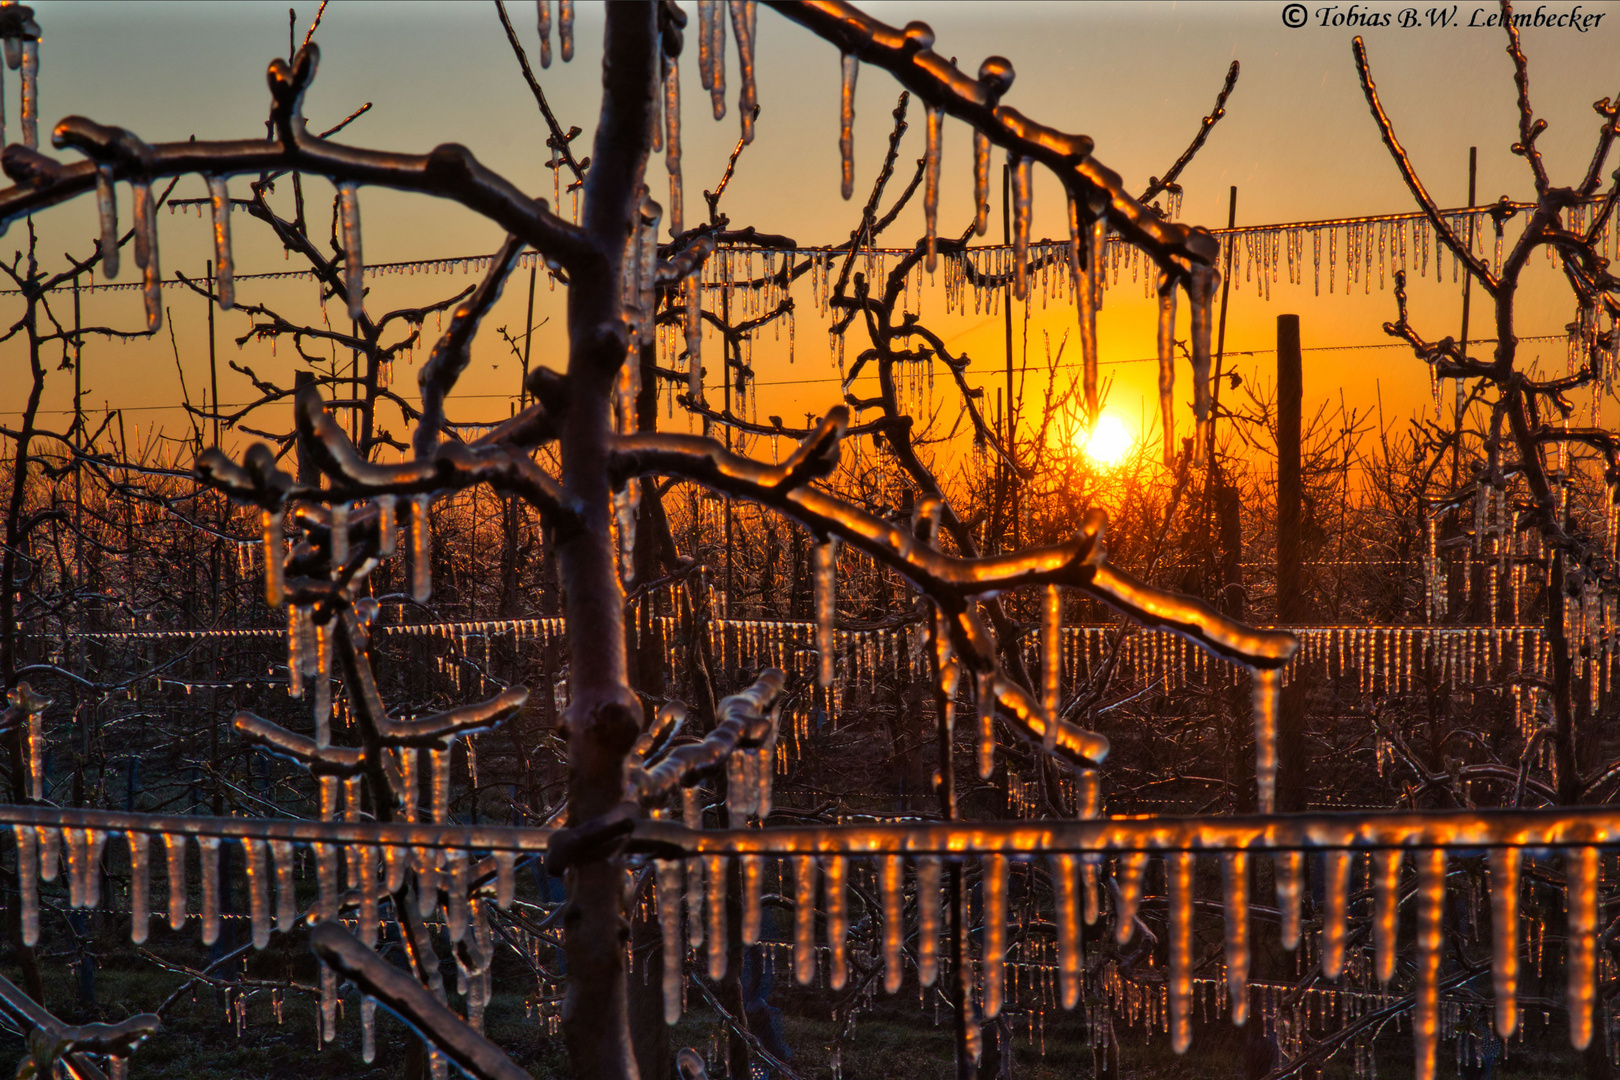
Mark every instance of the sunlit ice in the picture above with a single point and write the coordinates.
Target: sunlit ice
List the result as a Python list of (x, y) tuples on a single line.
[(1107, 442)]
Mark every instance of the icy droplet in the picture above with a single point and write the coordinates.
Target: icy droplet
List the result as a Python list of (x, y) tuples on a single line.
[(1180, 872), (107, 207), (219, 198), (995, 932), (850, 67)]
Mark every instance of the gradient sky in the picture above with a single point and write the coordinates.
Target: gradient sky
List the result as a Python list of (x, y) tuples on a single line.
[(1297, 142)]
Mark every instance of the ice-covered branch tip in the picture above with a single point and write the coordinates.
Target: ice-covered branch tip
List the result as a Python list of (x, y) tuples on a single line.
[(1080, 562), (744, 721), (50, 1040), (413, 1003), (909, 56)]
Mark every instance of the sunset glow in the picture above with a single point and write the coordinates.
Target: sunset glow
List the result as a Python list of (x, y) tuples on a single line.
[(1108, 441)]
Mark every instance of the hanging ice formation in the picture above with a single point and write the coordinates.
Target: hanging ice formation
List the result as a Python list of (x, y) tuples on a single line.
[(146, 252), (936, 121), (353, 264), (743, 14), (543, 18), (850, 67), (219, 198), (107, 208), (1167, 366)]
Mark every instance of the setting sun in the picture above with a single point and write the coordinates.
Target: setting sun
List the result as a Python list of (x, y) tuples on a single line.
[(1108, 441)]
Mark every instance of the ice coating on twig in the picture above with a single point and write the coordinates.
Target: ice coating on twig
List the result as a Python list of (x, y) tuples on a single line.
[(928, 869), (146, 252), (849, 68), (743, 14), (669, 925), (891, 886), (354, 266), (1581, 873), (1179, 870), (565, 29), (219, 199), (804, 919), (1235, 882), (107, 209), (1267, 707), (1023, 194), (995, 932), (1167, 368), (931, 161), (1431, 896)]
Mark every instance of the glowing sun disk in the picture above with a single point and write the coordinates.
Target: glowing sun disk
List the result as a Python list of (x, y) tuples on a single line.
[(1108, 441)]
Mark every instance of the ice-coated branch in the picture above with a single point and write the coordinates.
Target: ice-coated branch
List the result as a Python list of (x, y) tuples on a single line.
[(743, 720), (299, 749), (1159, 184), (449, 170), (1079, 563), (908, 56), (50, 1040), (1403, 161), (412, 1003), (453, 351), (1530, 128)]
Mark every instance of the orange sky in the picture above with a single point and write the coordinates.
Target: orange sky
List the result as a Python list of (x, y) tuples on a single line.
[(1297, 142)]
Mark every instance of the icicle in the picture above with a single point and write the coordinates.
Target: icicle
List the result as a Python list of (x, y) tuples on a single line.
[(1337, 864), (455, 888), (505, 879), (672, 143), (1066, 898), (836, 899), (850, 66), (209, 846), (440, 763), (426, 860), (340, 536), (1235, 872), (1505, 863), (753, 875), (543, 17), (36, 748), (348, 199), (329, 1003), (717, 59), (29, 111), (1200, 291), (326, 882), (1267, 704), (1431, 892), (715, 903), (928, 869), (1083, 265), (1167, 366), (1052, 662), (386, 525), (140, 918), (1128, 877), (28, 883), (891, 883), (146, 252), (1290, 871), (273, 592), (1387, 910), (323, 685), (421, 549), (565, 29), (981, 182), (258, 890), (743, 14), (985, 696), (826, 566), (1180, 873), (368, 1029), (669, 925), (107, 206), (1023, 183), (804, 919), (175, 846), (995, 932), (931, 159), (219, 198), (1581, 874)]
